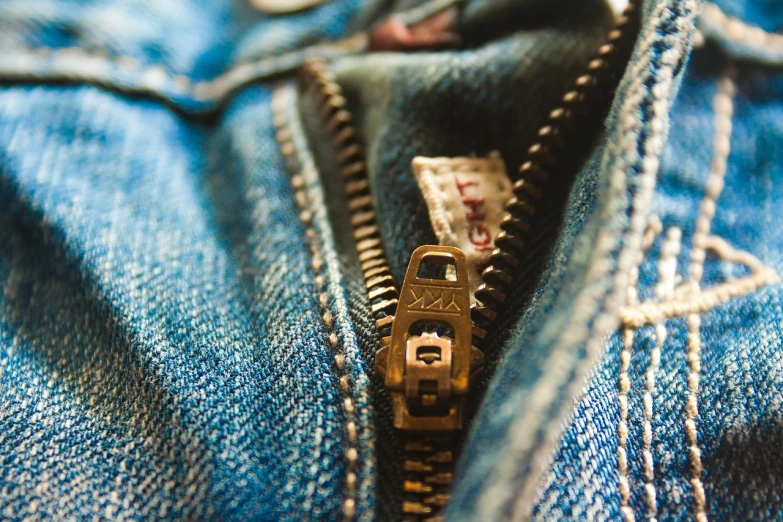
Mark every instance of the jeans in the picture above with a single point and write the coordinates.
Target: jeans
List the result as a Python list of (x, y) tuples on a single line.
[(184, 328)]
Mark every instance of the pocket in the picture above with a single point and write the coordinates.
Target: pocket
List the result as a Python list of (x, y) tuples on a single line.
[(191, 55)]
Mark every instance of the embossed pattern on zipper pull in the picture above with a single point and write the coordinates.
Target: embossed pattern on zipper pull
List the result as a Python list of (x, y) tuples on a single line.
[(428, 408), (428, 457)]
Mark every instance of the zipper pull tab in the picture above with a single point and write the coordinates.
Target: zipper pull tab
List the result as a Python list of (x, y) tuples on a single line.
[(428, 361)]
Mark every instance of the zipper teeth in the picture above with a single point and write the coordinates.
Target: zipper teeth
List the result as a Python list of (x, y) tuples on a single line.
[(541, 164), (428, 462), (534, 175), (382, 290), (428, 471)]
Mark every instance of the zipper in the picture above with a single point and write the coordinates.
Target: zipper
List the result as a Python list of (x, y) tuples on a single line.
[(430, 335), (580, 108)]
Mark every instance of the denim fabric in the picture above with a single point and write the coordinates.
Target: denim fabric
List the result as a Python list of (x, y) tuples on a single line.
[(184, 331), (152, 367), (460, 103), (562, 334), (765, 14), (741, 377), (190, 54), (456, 103)]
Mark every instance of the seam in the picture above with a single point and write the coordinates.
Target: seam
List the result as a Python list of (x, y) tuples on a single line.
[(737, 31), (667, 271), (690, 300), (441, 219), (724, 107), (298, 184), (687, 302), (629, 131), (632, 297), (596, 308), (91, 66), (622, 428)]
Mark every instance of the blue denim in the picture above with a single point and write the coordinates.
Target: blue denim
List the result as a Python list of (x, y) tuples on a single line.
[(184, 333)]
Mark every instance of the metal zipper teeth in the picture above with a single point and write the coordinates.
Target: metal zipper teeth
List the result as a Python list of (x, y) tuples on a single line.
[(428, 462), (382, 290), (577, 107), (428, 474)]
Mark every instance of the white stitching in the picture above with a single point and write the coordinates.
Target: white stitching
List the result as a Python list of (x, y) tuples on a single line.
[(78, 64), (690, 300), (667, 270), (300, 196), (439, 216), (694, 453), (588, 303), (738, 31), (724, 108), (632, 298), (675, 301), (686, 301), (653, 229), (622, 428), (465, 196)]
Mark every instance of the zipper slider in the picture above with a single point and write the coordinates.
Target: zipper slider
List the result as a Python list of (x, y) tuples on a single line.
[(430, 358)]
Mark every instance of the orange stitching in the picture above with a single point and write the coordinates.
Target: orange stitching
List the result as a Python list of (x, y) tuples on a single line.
[(300, 196)]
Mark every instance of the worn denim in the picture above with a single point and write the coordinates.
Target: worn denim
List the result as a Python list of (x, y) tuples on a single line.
[(184, 333)]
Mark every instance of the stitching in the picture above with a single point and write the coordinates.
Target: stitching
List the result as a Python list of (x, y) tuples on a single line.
[(667, 270), (694, 453), (91, 65), (687, 301), (632, 297), (622, 429), (598, 302), (351, 454), (464, 199), (430, 170), (356, 366), (737, 31), (690, 300), (724, 108), (434, 196)]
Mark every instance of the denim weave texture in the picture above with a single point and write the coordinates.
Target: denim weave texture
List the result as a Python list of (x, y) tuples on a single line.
[(184, 328)]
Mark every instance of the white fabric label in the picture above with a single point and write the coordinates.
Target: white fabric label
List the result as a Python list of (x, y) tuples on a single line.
[(284, 6), (465, 199)]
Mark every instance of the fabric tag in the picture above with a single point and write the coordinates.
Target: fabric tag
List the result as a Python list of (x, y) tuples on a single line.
[(465, 198), (284, 6)]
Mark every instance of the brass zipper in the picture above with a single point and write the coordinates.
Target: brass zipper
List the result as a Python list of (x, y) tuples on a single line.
[(587, 98), (427, 328)]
